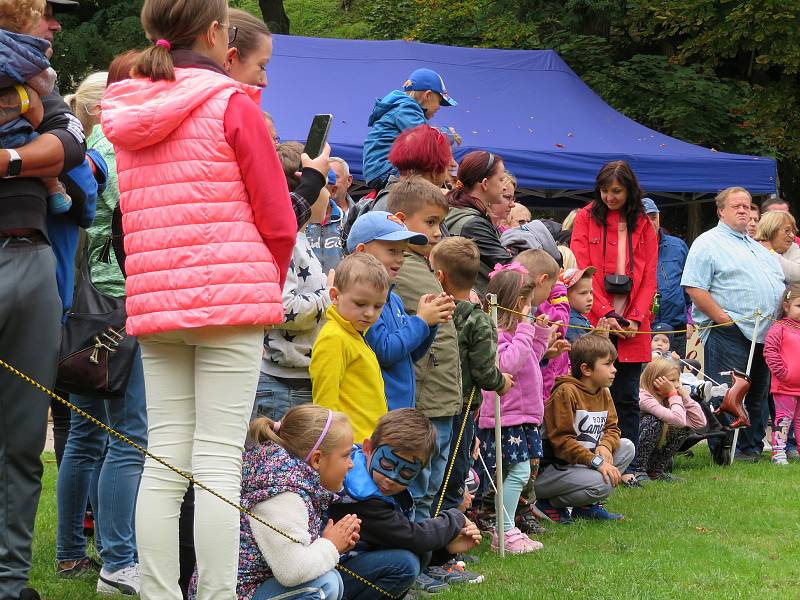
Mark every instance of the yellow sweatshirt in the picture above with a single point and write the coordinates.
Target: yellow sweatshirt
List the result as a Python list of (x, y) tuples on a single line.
[(346, 376)]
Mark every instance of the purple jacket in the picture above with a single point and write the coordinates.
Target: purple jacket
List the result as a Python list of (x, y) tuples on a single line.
[(519, 354), (557, 309)]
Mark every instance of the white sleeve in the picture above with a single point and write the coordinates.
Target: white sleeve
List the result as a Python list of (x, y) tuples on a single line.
[(291, 563)]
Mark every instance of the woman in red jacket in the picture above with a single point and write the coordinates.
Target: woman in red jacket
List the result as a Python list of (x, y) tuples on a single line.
[(613, 235)]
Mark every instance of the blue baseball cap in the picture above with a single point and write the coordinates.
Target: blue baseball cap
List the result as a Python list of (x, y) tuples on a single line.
[(649, 206), (331, 177), (428, 79), (383, 226)]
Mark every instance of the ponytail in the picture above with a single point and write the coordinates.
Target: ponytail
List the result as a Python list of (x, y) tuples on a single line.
[(173, 25)]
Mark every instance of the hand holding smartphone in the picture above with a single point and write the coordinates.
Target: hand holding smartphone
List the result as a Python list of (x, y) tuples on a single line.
[(318, 135)]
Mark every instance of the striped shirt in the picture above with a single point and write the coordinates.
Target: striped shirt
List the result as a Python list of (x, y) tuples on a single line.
[(739, 273)]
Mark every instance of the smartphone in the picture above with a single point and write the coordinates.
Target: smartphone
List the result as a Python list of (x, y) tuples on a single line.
[(318, 135)]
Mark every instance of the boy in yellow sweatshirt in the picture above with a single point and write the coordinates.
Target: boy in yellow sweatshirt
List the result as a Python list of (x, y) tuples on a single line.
[(345, 374)]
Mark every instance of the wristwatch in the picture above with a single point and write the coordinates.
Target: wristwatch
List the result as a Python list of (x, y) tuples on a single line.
[(14, 164), (597, 462)]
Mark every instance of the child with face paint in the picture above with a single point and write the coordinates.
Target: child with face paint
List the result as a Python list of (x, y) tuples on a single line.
[(392, 544)]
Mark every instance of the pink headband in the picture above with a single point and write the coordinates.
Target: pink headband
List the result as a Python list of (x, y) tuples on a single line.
[(322, 435), (514, 266), (164, 44)]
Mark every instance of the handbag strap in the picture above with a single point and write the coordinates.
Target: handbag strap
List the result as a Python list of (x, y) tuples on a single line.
[(630, 249)]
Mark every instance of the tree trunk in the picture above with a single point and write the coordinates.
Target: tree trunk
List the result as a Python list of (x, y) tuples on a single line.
[(275, 15)]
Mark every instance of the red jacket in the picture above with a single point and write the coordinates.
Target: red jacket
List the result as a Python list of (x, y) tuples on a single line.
[(587, 245)]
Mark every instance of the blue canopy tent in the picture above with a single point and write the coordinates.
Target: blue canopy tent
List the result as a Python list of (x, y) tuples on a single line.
[(528, 106)]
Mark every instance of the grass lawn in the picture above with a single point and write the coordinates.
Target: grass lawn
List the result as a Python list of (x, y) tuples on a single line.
[(727, 533)]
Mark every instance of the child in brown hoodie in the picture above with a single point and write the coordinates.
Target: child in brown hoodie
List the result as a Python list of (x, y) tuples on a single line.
[(584, 455)]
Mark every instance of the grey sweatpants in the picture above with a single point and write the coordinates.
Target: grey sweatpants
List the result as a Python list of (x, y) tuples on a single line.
[(577, 485), (30, 333)]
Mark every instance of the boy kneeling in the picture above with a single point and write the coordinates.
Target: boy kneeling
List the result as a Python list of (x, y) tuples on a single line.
[(376, 489), (583, 453)]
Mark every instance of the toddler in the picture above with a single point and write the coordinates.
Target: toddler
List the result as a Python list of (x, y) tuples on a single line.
[(781, 349)]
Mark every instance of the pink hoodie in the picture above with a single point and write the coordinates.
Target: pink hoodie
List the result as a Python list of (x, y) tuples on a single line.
[(197, 242), (681, 412)]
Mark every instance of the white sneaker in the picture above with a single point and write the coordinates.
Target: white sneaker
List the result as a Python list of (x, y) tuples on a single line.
[(125, 581)]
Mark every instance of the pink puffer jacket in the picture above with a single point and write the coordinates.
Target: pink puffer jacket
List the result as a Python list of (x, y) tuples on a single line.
[(195, 257)]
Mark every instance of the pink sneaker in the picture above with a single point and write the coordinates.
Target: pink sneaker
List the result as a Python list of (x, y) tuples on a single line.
[(516, 542)]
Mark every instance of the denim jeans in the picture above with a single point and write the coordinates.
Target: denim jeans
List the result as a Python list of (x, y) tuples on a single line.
[(727, 348), (274, 398), (426, 486), (392, 570), (625, 393), (118, 473), (327, 586)]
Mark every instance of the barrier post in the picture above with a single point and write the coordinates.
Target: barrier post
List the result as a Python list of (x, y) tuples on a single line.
[(747, 372), (498, 448)]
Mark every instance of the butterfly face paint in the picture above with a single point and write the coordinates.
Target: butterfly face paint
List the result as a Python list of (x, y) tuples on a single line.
[(393, 467)]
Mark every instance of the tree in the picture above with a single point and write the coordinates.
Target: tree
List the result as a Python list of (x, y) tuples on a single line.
[(275, 15)]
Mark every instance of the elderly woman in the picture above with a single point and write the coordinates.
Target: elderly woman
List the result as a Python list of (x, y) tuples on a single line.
[(776, 231)]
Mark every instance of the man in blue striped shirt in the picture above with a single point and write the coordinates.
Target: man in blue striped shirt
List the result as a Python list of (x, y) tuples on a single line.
[(729, 276)]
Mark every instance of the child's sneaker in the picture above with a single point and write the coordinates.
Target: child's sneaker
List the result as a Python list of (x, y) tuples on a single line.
[(557, 515), (468, 559), (595, 511), (526, 521), (779, 458), (429, 585), (58, 203), (664, 476), (125, 581), (457, 566), (516, 542)]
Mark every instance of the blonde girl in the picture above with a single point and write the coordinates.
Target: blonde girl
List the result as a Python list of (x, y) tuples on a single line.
[(668, 416), (289, 477)]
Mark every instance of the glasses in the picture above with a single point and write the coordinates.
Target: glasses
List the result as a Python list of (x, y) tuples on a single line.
[(232, 31)]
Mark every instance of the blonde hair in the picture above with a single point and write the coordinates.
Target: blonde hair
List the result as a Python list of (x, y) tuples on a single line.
[(567, 257), (661, 367), (510, 176), (361, 267), (86, 99), (722, 197), (792, 291), (21, 16), (300, 428), (538, 262), (570, 220), (771, 222), (179, 22)]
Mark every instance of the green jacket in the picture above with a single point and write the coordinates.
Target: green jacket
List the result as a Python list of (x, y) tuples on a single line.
[(439, 371), (106, 276), (477, 346)]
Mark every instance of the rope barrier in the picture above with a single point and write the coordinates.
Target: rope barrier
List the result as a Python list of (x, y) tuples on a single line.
[(755, 315), (454, 451), (186, 476)]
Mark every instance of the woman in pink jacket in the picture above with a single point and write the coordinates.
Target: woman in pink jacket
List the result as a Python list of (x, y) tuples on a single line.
[(209, 231), (668, 416)]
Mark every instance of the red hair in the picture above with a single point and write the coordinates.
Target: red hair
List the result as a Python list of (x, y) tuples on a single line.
[(423, 149), (120, 67)]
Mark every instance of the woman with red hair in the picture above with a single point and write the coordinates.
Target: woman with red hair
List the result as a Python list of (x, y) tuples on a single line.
[(423, 151)]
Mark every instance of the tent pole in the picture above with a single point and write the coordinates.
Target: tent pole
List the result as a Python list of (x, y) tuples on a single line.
[(498, 448)]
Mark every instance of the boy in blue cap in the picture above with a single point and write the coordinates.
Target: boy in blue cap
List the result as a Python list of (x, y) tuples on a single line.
[(398, 339), (422, 95)]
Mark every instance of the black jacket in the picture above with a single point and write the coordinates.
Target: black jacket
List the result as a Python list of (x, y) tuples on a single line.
[(471, 223)]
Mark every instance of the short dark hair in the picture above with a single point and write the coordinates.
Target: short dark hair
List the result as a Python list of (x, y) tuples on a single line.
[(772, 201), (413, 193), (289, 155), (360, 267), (620, 171), (459, 258), (588, 350), (407, 431)]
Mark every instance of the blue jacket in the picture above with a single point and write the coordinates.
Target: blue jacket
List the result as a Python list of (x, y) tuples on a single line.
[(398, 341), (576, 318), (672, 252), (392, 115), (326, 240)]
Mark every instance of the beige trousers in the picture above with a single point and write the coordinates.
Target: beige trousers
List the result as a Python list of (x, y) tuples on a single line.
[(200, 386)]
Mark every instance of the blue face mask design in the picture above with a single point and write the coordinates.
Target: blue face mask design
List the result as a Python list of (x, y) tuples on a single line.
[(393, 467)]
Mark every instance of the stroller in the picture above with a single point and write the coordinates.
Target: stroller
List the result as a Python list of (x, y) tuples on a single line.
[(722, 417)]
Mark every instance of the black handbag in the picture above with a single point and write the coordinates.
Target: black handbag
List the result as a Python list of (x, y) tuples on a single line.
[(96, 354), (620, 285)]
